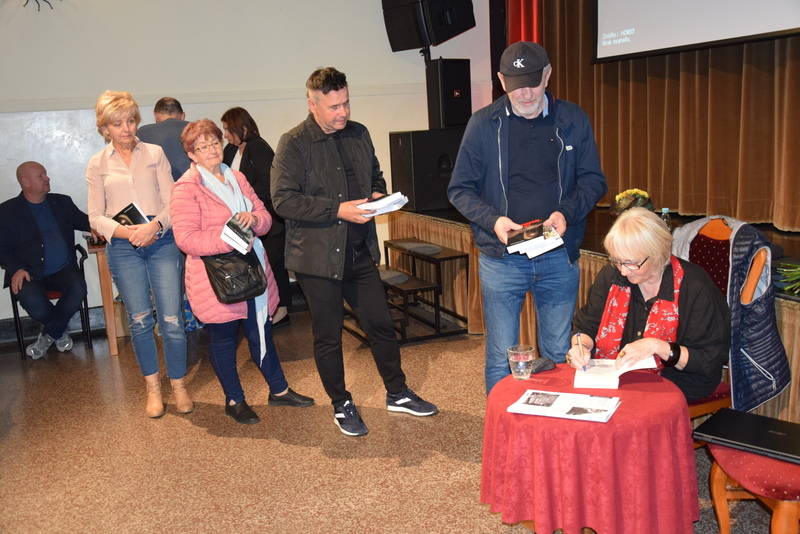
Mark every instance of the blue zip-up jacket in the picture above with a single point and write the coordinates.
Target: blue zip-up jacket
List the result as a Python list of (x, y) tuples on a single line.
[(479, 184)]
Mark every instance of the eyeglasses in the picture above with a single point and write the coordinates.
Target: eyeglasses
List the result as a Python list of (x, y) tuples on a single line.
[(204, 148), (631, 266)]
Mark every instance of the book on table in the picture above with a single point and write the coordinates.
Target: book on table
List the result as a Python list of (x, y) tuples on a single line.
[(534, 239), (237, 236), (566, 405), (600, 373), (385, 204)]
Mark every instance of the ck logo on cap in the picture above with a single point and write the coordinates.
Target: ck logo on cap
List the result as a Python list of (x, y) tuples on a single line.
[(518, 63)]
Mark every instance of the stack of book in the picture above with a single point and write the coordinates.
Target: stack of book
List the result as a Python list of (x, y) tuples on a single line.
[(237, 236), (533, 239), (385, 204)]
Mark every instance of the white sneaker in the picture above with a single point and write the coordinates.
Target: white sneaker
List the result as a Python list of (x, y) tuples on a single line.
[(64, 343), (38, 348)]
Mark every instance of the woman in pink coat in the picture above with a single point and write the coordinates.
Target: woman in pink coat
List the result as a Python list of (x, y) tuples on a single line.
[(202, 201)]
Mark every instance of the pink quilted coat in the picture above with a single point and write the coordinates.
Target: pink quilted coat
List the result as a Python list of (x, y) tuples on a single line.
[(197, 217)]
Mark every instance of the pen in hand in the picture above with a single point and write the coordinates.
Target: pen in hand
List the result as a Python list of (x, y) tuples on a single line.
[(581, 347)]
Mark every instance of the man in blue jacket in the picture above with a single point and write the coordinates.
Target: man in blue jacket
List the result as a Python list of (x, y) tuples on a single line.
[(524, 157), (37, 247)]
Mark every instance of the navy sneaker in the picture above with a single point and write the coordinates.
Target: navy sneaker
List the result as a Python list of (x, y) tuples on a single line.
[(409, 402), (349, 422)]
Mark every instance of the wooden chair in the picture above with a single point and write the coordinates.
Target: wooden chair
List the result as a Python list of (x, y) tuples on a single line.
[(53, 295), (737, 475)]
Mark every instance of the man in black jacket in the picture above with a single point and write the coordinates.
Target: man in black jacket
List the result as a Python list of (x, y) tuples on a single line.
[(323, 170), (37, 247)]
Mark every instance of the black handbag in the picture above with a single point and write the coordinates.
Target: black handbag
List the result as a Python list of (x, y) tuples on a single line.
[(235, 277)]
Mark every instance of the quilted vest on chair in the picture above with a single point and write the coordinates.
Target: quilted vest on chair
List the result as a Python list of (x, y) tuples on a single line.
[(758, 366)]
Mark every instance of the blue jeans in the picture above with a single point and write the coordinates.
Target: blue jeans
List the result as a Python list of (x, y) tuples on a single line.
[(222, 341), (553, 282), (54, 317), (138, 272)]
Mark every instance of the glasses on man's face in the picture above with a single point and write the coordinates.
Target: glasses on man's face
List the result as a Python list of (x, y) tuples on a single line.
[(631, 266), (204, 148)]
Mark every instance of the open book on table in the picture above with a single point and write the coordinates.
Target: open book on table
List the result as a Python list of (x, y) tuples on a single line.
[(600, 373), (533, 240), (385, 204), (237, 236), (566, 405)]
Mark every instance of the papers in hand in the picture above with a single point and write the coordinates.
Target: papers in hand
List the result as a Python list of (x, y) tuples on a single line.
[(600, 373), (566, 405), (533, 240), (237, 236), (385, 204)]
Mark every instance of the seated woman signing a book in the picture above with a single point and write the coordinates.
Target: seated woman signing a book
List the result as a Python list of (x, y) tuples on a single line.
[(203, 202), (649, 304)]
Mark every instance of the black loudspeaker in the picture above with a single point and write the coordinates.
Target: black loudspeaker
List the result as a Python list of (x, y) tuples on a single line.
[(449, 93), (420, 23), (422, 162)]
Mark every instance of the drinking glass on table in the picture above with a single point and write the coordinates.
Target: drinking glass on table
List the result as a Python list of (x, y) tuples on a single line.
[(520, 359)]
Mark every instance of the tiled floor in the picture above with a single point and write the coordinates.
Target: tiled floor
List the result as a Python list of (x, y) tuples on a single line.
[(77, 453)]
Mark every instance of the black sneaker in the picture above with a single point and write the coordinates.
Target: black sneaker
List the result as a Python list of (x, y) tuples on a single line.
[(349, 422), (242, 413), (290, 398), (409, 402)]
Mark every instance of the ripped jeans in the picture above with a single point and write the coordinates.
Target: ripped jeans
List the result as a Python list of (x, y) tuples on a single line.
[(137, 272)]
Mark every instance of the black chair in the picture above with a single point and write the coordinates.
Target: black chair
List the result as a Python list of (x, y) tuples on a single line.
[(53, 295)]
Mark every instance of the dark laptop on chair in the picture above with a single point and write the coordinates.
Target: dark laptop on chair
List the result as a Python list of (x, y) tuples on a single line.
[(753, 433)]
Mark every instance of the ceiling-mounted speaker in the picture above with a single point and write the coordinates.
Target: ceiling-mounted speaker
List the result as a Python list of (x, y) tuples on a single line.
[(414, 24)]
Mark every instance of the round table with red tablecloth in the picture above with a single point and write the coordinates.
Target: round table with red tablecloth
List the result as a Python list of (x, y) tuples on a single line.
[(634, 474)]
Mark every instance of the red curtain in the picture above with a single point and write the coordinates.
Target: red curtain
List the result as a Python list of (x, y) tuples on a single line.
[(705, 132), (524, 20)]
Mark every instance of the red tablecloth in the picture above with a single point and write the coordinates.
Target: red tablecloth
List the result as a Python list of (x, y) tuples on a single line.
[(634, 474)]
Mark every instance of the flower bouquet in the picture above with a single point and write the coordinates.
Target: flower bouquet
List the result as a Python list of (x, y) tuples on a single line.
[(632, 198)]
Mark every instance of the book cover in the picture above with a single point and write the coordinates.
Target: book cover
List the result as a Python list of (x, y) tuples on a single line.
[(525, 234), (566, 405), (237, 236), (130, 215)]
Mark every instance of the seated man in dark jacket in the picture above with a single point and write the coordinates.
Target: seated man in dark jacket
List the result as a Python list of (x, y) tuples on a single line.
[(37, 247)]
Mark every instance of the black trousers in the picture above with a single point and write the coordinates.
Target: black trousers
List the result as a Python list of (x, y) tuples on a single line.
[(274, 246), (363, 290)]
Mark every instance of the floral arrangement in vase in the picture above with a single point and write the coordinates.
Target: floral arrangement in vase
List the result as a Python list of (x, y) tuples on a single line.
[(632, 198)]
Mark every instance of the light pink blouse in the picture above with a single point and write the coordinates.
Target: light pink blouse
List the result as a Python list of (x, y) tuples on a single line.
[(112, 185)]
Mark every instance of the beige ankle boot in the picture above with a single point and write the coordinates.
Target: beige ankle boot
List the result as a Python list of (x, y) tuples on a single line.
[(155, 402), (182, 400)]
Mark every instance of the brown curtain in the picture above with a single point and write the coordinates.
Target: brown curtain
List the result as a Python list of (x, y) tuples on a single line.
[(708, 132)]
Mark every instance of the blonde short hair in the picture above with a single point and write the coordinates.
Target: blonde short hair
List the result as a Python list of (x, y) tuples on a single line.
[(111, 106), (638, 232)]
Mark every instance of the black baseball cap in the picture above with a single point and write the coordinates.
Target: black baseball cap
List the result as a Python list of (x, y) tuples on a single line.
[(522, 65)]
